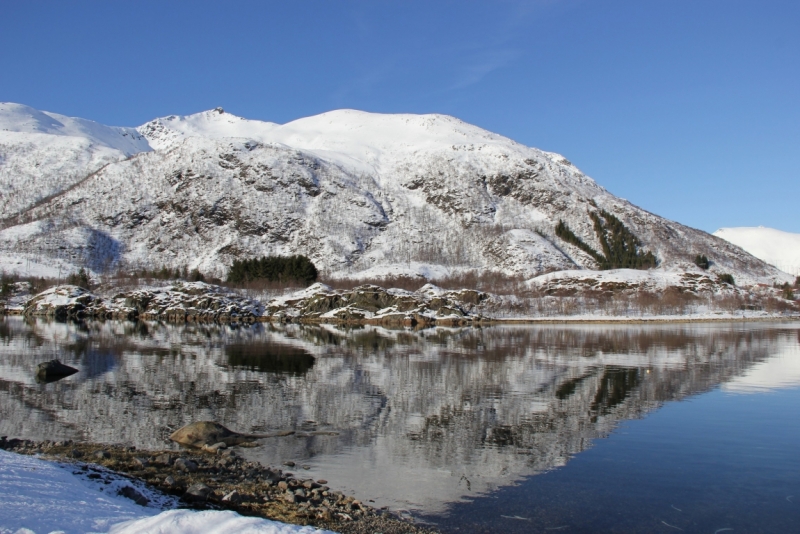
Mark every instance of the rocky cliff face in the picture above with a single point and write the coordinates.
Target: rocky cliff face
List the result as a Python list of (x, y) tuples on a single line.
[(361, 194)]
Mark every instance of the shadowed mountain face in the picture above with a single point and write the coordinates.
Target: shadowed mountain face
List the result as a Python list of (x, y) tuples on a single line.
[(462, 410)]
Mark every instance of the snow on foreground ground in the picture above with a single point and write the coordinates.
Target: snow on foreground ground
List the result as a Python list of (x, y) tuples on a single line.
[(40, 497), (776, 247)]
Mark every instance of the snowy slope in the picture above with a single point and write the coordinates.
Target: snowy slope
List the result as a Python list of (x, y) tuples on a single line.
[(42, 153), (362, 194), (778, 248), (361, 141), (18, 118), (166, 132)]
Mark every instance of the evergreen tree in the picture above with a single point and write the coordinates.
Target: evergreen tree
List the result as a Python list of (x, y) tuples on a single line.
[(702, 261), (6, 289), (621, 249), (563, 231), (274, 269), (80, 279), (196, 276)]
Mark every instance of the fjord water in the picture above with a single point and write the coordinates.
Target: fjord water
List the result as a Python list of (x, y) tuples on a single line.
[(597, 428)]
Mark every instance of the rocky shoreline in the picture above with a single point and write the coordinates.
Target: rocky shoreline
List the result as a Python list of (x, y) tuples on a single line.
[(224, 481), (199, 302)]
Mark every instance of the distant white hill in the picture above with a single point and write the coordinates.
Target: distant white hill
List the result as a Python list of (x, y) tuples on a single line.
[(362, 141), (776, 247)]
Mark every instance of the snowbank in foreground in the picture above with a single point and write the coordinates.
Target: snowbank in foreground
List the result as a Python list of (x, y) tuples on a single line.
[(207, 522), (37, 496), (45, 496)]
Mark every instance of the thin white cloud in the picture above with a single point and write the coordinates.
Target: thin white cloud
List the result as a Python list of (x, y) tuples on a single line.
[(481, 64), (365, 82)]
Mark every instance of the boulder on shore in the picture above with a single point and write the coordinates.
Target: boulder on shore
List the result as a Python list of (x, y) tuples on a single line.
[(211, 436)]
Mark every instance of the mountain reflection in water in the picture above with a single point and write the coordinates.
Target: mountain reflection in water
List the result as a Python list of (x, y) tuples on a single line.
[(425, 418)]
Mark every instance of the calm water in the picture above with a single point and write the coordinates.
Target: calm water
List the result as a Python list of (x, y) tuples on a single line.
[(668, 428)]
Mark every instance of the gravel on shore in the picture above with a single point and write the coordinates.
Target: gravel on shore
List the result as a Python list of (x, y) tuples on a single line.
[(226, 481)]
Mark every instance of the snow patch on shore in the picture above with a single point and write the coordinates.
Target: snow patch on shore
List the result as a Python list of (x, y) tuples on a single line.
[(208, 522), (46, 496), (38, 496)]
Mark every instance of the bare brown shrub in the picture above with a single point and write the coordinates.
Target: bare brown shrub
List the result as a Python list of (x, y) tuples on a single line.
[(729, 303), (646, 302), (775, 305), (674, 301)]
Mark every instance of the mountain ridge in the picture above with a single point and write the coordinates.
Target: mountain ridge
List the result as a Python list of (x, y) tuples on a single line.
[(362, 194)]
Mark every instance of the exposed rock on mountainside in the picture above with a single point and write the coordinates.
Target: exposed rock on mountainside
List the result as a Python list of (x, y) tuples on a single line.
[(361, 194), (620, 280)]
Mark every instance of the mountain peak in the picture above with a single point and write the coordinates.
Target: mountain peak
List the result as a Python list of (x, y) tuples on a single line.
[(215, 123)]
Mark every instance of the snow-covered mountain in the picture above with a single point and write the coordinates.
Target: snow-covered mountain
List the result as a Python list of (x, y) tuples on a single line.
[(778, 248), (362, 194), (42, 153)]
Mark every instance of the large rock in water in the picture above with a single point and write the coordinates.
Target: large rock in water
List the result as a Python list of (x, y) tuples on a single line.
[(53, 370), (204, 434)]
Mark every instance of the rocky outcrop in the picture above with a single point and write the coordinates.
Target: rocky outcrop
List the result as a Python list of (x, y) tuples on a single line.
[(369, 304), (180, 302), (65, 302), (189, 301), (557, 294)]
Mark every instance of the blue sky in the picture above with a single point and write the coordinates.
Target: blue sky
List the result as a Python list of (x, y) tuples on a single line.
[(690, 109)]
